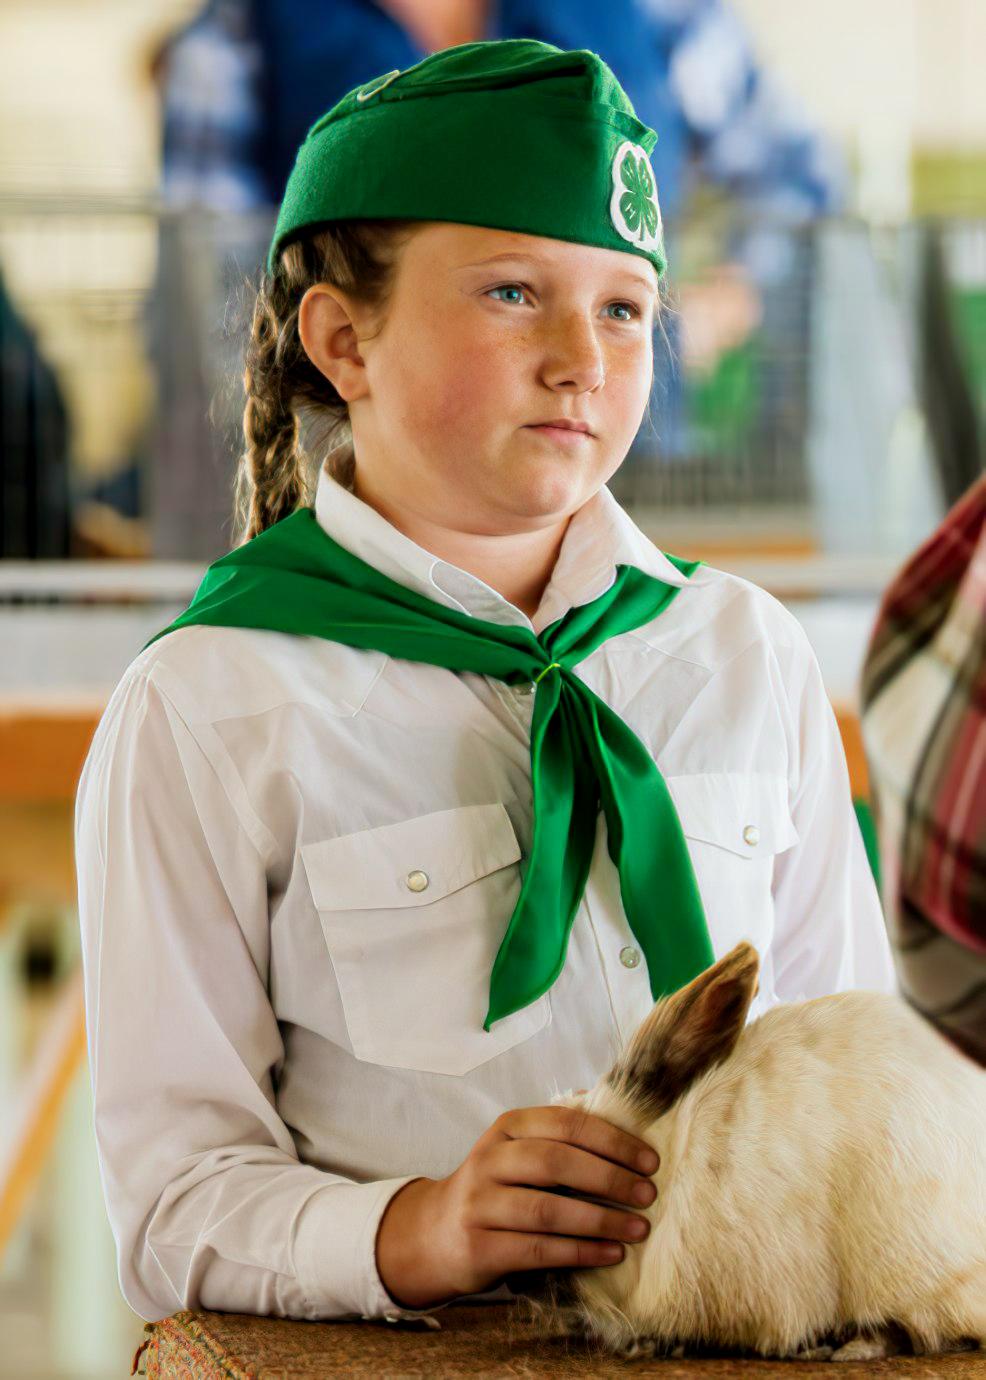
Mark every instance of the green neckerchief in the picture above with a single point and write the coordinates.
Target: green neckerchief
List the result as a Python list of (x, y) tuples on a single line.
[(295, 578)]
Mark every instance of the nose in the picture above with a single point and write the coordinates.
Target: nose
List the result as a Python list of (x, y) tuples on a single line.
[(573, 356)]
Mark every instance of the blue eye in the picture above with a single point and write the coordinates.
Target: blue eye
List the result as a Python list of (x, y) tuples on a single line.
[(508, 287), (522, 287)]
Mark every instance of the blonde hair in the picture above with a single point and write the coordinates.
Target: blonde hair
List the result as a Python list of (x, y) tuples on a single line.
[(285, 392)]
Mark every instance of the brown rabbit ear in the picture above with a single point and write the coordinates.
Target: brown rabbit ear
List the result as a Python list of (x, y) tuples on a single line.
[(687, 1033)]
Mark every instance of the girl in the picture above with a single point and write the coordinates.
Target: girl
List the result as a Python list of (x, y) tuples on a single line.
[(447, 772)]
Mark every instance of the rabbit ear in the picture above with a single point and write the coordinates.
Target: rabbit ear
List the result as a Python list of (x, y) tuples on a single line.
[(687, 1033)]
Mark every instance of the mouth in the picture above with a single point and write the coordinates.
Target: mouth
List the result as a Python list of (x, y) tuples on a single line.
[(566, 435)]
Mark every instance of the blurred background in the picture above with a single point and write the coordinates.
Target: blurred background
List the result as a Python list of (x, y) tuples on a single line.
[(817, 406)]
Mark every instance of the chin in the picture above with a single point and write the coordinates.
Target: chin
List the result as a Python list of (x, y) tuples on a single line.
[(555, 487)]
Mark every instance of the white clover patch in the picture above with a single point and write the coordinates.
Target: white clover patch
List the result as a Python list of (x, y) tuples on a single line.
[(633, 207)]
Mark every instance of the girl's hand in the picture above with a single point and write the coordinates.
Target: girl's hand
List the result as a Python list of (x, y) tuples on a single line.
[(440, 1238)]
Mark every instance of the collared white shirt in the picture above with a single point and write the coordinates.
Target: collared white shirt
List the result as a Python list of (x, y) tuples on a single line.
[(296, 862)]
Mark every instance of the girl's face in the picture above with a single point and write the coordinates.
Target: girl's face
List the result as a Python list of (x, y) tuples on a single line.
[(472, 353)]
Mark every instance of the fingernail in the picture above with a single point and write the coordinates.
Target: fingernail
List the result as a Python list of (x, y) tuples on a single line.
[(647, 1162)]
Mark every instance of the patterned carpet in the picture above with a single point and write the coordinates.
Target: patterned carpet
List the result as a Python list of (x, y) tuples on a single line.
[(474, 1341)]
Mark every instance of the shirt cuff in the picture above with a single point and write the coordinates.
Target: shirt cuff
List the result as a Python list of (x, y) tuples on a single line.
[(335, 1251)]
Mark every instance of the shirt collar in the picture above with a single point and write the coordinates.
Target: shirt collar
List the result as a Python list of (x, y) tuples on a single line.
[(600, 536)]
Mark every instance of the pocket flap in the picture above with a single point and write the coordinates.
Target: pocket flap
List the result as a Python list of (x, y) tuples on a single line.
[(745, 812), (411, 862)]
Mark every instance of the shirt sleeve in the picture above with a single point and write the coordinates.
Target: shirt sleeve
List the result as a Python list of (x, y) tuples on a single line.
[(830, 934), (208, 1202)]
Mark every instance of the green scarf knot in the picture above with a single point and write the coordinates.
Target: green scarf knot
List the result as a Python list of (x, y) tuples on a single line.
[(295, 578)]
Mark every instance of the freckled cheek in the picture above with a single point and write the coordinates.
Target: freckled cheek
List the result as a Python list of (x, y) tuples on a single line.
[(628, 382), (631, 390), (462, 387)]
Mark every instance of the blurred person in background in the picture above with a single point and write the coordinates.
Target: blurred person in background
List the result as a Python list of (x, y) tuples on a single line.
[(34, 441), (924, 731), (241, 84)]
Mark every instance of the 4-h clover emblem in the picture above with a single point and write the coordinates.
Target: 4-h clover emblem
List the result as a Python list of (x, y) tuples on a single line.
[(633, 207)]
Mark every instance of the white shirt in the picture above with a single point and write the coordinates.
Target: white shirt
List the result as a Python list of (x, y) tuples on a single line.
[(285, 1023)]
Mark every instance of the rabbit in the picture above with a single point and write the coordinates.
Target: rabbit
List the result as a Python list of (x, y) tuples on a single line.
[(821, 1187)]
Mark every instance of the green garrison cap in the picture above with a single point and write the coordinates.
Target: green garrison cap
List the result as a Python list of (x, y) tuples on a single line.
[(510, 133)]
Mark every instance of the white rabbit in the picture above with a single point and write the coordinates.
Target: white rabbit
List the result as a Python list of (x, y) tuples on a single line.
[(822, 1185)]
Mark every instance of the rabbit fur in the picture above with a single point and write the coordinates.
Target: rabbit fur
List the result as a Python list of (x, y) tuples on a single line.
[(822, 1186)]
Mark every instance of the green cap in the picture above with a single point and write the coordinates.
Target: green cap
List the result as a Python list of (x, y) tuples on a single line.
[(509, 133)]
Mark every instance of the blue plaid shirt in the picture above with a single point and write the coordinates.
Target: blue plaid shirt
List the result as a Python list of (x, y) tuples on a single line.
[(243, 82)]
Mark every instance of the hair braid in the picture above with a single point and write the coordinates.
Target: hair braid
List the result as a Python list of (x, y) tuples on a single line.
[(284, 390)]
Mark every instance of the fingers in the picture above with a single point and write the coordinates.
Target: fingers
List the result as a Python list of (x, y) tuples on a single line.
[(523, 1198), (576, 1127), (517, 1208), (547, 1164), (509, 1252)]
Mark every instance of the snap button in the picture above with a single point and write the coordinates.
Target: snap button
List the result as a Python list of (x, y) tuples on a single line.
[(629, 956), (417, 881), (751, 835)]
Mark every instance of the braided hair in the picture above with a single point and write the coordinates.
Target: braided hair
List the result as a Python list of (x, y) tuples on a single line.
[(284, 389)]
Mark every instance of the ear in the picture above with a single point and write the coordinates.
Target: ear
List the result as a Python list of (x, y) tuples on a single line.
[(327, 327), (687, 1033)]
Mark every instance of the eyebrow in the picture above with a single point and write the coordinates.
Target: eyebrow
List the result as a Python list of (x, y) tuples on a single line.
[(647, 284)]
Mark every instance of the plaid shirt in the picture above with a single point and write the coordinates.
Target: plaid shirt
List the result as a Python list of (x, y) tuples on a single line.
[(923, 693), (210, 88)]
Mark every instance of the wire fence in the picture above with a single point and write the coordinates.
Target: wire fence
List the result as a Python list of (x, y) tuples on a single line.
[(841, 392)]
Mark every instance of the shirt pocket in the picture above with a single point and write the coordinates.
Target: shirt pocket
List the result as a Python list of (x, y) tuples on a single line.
[(413, 915), (735, 824)]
